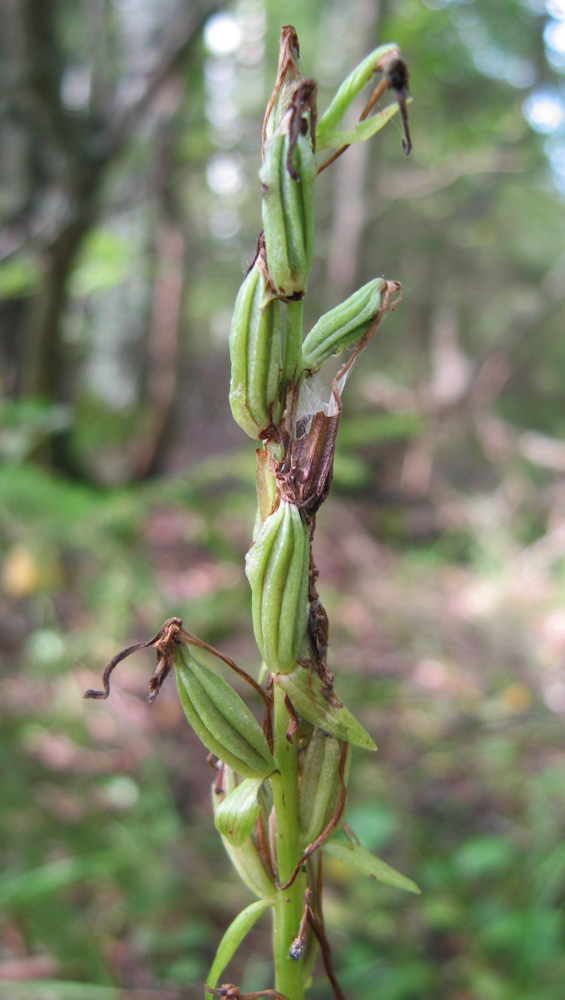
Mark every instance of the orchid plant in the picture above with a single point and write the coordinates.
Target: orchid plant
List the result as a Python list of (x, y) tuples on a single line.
[(279, 791)]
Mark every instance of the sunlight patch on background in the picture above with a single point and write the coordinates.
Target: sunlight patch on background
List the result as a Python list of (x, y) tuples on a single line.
[(223, 175), (224, 223), (555, 152), (234, 87), (544, 111), (490, 59), (554, 38), (222, 34), (76, 87), (556, 8)]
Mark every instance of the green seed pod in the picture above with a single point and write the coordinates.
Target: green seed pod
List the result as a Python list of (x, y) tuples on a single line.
[(246, 858), (277, 567), (288, 212), (343, 325), (221, 719), (319, 770), (255, 352), (320, 784)]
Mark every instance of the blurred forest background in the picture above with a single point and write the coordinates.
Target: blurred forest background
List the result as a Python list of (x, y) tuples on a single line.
[(131, 204)]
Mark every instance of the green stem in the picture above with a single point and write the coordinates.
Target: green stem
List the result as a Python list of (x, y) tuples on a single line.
[(288, 902)]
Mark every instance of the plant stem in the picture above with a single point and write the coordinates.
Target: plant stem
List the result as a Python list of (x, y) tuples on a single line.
[(288, 902)]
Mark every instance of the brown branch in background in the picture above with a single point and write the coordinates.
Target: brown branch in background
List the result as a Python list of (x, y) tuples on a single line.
[(167, 295), (183, 36), (162, 350), (330, 826), (86, 146)]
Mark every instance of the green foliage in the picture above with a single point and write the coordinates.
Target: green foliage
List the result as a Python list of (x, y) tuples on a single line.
[(18, 277)]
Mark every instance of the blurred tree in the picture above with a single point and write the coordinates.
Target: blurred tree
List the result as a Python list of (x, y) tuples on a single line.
[(112, 120), (85, 81)]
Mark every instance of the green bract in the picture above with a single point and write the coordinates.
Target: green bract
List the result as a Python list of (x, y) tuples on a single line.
[(316, 704), (277, 567), (343, 325)]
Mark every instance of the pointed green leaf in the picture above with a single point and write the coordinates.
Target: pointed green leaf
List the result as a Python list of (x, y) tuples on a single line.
[(363, 861), (324, 709), (233, 937), (235, 817), (362, 131)]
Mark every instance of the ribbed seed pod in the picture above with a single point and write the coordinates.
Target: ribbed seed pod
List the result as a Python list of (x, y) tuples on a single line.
[(255, 353), (343, 325), (246, 858), (288, 213), (320, 784), (277, 567), (221, 719)]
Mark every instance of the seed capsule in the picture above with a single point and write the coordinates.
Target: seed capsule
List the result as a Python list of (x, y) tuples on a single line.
[(221, 719), (343, 325), (288, 211), (320, 783), (277, 567), (255, 352)]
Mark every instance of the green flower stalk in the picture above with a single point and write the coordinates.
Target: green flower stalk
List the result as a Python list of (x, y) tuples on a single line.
[(279, 794)]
